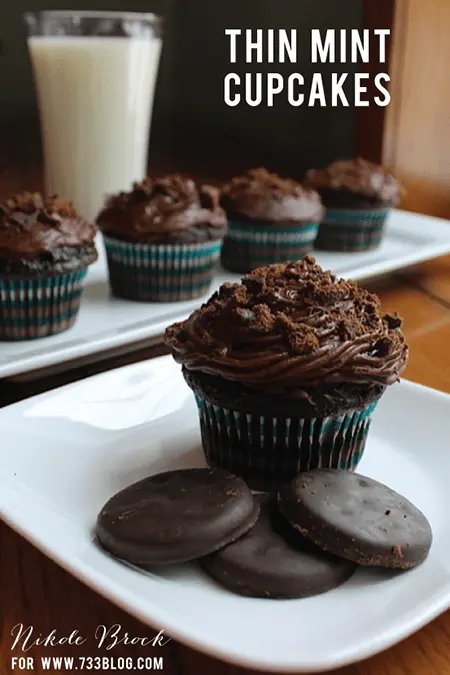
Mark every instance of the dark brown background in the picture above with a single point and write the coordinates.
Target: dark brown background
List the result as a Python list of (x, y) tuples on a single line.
[(194, 130), (189, 97)]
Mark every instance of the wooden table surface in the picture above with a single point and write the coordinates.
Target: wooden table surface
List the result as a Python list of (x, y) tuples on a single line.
[(36, 592)]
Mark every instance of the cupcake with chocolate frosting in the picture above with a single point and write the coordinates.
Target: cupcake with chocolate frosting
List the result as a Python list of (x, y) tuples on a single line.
[(271, 219), (287, 368), (358, 196), (45, 250), (163, 239)]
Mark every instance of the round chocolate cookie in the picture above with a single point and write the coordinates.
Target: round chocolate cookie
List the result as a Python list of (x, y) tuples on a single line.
[(176, 516), (356, 518), (274, 561)]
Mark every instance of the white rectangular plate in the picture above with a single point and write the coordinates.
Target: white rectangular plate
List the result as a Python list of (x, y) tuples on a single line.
[(64, 453), (107, 323)]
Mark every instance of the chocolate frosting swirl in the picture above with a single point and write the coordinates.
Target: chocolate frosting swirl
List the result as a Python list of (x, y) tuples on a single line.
[(164, 209), (261, 195), (357, 176), (289, 327), (31, 225)]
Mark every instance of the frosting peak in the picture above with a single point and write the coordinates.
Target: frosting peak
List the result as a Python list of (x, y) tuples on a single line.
[(291, 326), (156, 210), (31, 225), (357, 176), (259, 194)]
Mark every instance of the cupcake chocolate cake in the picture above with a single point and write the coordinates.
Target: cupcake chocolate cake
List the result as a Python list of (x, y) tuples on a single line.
[(271, 220), (287, 368), (357, 195), (163, 239), (45, 250)]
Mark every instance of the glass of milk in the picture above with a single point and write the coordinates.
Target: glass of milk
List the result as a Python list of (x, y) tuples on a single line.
[(95, 76)]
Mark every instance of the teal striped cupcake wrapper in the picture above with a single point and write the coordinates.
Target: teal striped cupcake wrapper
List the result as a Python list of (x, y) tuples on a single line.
[(269, 451), (161, 272), (38, 307), (249, 245), (351, 229)]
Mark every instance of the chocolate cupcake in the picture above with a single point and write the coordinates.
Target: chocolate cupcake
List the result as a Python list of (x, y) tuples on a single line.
[(287, 369), (271, 220), (163, 239), (358, 196), (45, 250)]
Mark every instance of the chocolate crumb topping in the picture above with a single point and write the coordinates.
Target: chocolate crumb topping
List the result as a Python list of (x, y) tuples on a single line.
[(359, 177), (259, 194), (164, 209), (290, 326), (31, 225)]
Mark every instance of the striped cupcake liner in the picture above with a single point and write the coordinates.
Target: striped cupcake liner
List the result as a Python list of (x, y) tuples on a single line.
[(159, 272), (351, 230), (250, 245), (35, 308), (269, 451)]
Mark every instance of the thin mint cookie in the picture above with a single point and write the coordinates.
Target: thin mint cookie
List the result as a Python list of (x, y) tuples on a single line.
[(176, 516), (356, 518), (265, 563)]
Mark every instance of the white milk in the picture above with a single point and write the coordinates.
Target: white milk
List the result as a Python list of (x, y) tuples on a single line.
[(95, 100)]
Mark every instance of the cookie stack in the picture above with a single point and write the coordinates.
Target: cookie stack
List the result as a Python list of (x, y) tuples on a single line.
[(305, 540)]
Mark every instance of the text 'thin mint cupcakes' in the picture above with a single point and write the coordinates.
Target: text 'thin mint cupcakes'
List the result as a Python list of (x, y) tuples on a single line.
[(45, 250), (271, 220), (163, 239), (287, 369), (358, 196)]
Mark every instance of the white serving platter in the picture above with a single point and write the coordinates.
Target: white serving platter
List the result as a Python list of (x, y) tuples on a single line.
[(96, 436), (107, 323)]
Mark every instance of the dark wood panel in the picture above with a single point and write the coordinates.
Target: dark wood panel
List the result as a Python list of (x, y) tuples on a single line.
[(417, 135), (370, 121)]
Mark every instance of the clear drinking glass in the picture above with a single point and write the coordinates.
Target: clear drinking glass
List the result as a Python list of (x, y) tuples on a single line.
[(95, 76)]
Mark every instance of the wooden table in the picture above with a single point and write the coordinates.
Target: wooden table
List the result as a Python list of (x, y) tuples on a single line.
[(35, 592)]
